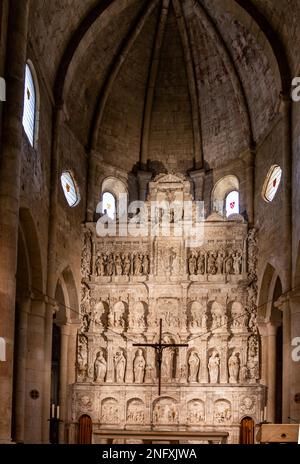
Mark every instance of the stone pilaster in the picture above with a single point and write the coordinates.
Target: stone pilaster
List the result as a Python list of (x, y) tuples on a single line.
[(10, 170), (283, 304), (144, 177), (65, 333), (198, 178), (20, 370)]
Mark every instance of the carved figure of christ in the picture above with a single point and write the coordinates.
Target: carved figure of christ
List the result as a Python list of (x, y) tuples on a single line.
[(159, 347)]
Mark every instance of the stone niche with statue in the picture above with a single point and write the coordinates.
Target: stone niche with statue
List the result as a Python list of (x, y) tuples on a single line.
[(203, 286)]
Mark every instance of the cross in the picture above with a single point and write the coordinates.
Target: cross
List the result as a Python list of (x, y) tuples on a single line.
[(159, 347)]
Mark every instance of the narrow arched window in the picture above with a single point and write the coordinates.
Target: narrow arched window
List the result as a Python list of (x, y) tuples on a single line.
[(232, 203), (226, 197), (272, 183), (70, 189), (109, 204), (30, 106)]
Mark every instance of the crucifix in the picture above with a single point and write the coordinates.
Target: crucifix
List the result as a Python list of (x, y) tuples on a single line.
[(159, 347)]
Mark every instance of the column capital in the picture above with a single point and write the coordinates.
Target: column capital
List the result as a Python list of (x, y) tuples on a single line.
[(272, 328), (287, 300), (197, 173), (282, 302)]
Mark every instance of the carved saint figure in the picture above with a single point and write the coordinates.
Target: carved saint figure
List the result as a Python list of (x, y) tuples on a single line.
[(118, 265), (229, 265), (167, 361), (218, 318), (85, 323), (204, 321), (213, 367), (82, 359), (100, 267), (139, 367), (97, 323), (120, 366), (99, 367), (237, 262), (194, 363), (192, 264), (110, 265), (126, 264), (171, 258), (146, 265), (233, 367), (211, 264), (220, 263), (86, 255), (138, 266), (201, 263)]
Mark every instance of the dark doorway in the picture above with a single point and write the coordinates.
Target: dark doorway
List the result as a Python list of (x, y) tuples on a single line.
[(85, 430), (247, 431)]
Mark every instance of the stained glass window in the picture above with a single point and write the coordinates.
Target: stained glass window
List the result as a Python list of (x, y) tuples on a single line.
[(70, 189), (29, 107), (232, 203), (272, 183), (109, 204)]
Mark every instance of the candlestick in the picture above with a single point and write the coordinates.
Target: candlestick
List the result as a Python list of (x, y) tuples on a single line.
[(57, 412), (265, 413), (52, 410)]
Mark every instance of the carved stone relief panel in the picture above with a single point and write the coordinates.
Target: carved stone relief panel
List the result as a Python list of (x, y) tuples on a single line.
[(165, 411), (248, 405), (135, 411), (110, 411), (196, 412), (222, 412)]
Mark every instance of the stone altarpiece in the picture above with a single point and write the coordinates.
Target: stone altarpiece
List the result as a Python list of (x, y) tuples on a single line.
[(205, 293)]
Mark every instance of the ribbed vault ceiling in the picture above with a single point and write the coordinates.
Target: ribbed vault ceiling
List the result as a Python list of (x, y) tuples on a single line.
[(175, 84)]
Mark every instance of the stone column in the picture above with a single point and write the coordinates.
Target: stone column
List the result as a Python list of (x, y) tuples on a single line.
[(264, 353), (295, 364), (63, 374), (198, 178), (3, 33), (10, 171), (93, 159), (283, 305), (144, 177), (35, 369), (248, 200), (286, 213), (72, 355), (50, 309), (271, 340), (20, 370)]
